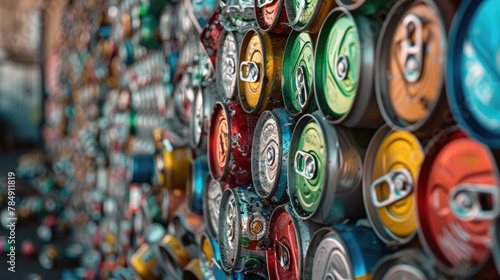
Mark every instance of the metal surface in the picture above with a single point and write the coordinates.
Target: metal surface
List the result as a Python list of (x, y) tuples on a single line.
[(212, 196), (307, 15), (271, 16), (196, 184), (228, 64)]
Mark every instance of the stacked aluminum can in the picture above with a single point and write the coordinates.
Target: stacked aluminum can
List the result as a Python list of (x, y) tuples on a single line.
[(283, 139)]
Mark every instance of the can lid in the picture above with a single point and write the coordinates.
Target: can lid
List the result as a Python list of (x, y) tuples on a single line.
[(230, 230), (337, 64), (212, 202), (298, 62), (283, 260), (301, 13), (266, 154), (404, 271), (227, 70), (219, 141), (252, 70), (267, 13), (457, 202), (331, 260), (153, 234), (308, 166), (197, 119)]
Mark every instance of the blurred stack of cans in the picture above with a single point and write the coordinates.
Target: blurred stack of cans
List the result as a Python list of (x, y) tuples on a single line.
[(283, 139)]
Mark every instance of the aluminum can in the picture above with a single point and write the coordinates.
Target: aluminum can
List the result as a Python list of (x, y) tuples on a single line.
[(297, 79), (141, 169), (367, 7), (170, 201), (167, 24), (343, 252), (271, 16), (210, 36), (188, 227), (150, 33), (343, 70), (183, 97), (202, 11), (129, 52), (175, 161), (145, 264), (192, 271), (230, 143), (407, 264), (308, 15), (243, 229), (228, 64), (237, 15), (290, 237), (174, 256), (202, 109), (472, 78), (325, 172), (271, 144), (210, 259), (259, 78), (391, 166), (457, 203), (212, 196), (184, 26), (414, 98), (196, 184)]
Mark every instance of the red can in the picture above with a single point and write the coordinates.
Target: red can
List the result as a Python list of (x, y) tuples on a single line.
[(458, 199), (230, 143), (271, 16)]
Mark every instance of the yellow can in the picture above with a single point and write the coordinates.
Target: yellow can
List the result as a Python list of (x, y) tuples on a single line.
[(145, 264), (193, 270), (174, 255), (391, 168), (173, 160)]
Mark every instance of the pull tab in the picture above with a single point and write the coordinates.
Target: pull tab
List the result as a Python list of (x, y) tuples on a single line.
[(400, 184), (252, 71), (262, 3), (302, 6), (309, 163), (301, 83), (342, 67), (411, 53), (282, 254), (229, 66), (465, 201)]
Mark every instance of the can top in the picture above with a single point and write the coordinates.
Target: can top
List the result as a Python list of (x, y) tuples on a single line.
[(474, 70), (266, 154), (331, 259), (212, 199), (252, 70), (227, 71), (337, 64), (219, 141), (283, 259), (457, 201), (301, 12), (267, 13), (298, 73), (389, 191), (411, 60), (197, 119), (230, 237), (404, 271), (153, 233)]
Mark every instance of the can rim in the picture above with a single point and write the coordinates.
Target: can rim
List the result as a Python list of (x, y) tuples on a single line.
[(414, 257), (378, 226), (289, 11), (276, 21), (219, 70), (208, 224), (196, 140), (455, 91), (265, 64), (212, 165), (382, 51), (220, 237), (432, 149), (364, 90)]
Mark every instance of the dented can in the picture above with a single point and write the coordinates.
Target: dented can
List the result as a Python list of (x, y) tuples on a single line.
[(271, 143), (297, 80), (367, 7), (307, 15), (196, 184), (410, 66), (228, 64), (145, 264), (343, 252), (407, 264), (457, 203), (140, 169), (344, 72), (325, 169), (259, 78), (271, 16), (204, 101), (290, 237), (391, 167), (243, 229), (473, 69), (212, 196), (230, 143)]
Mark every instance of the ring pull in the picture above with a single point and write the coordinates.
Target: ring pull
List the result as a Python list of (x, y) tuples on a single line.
[(412, 52), (301, 83), (262, 3), (400, 184), (284, 255), (475, 202), (249, 71), (302, 7), (308, 162)]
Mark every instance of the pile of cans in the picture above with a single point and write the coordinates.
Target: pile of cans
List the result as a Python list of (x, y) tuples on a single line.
[(282, 139)]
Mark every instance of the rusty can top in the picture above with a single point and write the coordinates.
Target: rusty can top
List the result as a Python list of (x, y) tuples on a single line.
[(457, 202), (410, 62), (391, 168)]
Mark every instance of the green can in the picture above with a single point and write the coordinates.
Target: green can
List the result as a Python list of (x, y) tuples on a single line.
[(307, 15), (367, 7), (150, 33), (151, 7), (297, 71), (344, 73)]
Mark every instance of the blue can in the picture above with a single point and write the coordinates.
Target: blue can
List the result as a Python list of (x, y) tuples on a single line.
[(343, 252), (140, 169), (196, 185), (271, 143), (473, 70)]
